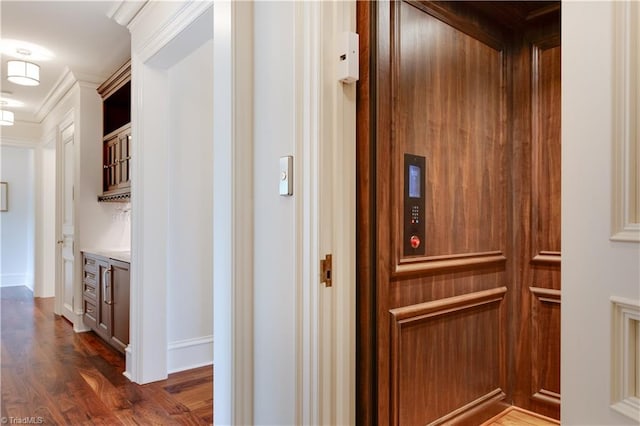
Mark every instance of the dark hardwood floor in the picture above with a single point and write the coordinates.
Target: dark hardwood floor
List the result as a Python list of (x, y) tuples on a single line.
[(51, 375)]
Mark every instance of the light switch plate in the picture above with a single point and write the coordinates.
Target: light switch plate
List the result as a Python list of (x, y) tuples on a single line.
[(286, 175)]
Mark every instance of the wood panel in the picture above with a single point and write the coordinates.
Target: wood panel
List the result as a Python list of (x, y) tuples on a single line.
[(366, 373), (458, 83), (545, 345), (441, 94), (537, 178), (452, 85), (470, 324), (546, 147)]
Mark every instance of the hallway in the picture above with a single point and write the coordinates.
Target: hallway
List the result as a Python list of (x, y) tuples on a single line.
[(52, 375)]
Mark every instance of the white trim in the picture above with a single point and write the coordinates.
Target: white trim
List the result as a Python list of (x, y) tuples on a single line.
[(307, 99), (344, 225), (625, 356), (124, 11), (184, 14), (233, 212), (58, 91), (626, 131), (189, 353), (15, 280), (325, 218), (151, 30)]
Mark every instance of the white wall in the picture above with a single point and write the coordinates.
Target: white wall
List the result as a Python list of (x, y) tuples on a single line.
[(18, 224), (190, 194), (593, 267), (275, 228)]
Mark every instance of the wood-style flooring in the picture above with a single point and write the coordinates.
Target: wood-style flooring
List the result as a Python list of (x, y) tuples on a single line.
[(53, 376), (514, 416)]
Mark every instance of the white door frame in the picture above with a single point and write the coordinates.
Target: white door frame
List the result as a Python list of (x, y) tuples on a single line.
[(326, 384), (326, 135)]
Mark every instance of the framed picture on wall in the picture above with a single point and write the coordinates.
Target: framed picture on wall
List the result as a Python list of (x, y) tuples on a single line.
[(4, 196)]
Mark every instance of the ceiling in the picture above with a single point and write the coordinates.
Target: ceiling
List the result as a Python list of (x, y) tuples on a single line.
[(82, 37)]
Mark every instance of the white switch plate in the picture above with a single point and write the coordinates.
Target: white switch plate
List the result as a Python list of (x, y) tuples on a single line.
[(286, 175)]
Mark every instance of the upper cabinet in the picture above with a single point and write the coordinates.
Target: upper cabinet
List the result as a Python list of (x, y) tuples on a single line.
[(116, 119)]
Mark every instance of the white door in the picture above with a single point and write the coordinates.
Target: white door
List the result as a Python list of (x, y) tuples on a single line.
[(65, 287)]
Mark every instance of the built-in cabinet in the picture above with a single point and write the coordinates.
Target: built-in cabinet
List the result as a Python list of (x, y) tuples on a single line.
[(116, 167), (106, 285), (116, 119)]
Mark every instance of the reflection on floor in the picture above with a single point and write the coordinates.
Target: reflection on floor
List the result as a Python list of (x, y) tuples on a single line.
[(52, 375)]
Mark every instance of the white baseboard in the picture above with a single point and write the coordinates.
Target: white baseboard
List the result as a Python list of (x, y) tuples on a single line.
[(15, 280), (189, 353)]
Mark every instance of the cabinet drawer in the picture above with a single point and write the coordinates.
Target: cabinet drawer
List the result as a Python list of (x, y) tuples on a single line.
[(90, 278), (89, 291), (90, 313), (89, 264)]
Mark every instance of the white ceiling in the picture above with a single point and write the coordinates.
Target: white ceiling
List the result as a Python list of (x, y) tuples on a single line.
[(81, 35)]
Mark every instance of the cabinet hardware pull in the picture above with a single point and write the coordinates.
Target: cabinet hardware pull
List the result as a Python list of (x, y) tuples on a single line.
[(104, 286), (89, 311)]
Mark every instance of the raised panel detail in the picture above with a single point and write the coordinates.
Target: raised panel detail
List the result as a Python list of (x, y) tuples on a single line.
[(432, 264), (545, 356), (453, 85), (436, 347), (546, 149)]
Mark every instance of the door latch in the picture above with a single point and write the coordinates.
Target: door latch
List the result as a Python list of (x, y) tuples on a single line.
[(326, 271)]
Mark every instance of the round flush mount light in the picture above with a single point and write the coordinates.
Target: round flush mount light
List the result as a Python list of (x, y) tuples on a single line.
[(6, 102), (6, 118), (23, 73), (24, 50)]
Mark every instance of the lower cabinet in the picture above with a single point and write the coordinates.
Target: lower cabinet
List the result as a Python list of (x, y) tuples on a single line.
[(106, 298)]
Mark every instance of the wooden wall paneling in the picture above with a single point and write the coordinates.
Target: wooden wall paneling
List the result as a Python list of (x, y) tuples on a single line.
[(453, 85), (448, 103), (383, 135), (537, 176), (366, 394), (545, 342), (449, 82), (546, 151), (472, 323)]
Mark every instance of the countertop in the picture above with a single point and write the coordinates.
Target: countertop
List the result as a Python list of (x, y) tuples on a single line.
[(122, 256)]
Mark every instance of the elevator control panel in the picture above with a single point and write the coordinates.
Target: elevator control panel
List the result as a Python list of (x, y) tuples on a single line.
[(414, 205)]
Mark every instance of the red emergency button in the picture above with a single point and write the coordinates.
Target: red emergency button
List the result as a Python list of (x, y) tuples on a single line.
[(414, 241)]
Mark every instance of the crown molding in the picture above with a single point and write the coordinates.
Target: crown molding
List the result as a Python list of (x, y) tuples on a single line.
[(62, 87), (124, 11), (148, 38)]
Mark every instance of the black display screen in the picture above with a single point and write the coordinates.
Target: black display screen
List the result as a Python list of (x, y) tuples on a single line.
[(414, 181)]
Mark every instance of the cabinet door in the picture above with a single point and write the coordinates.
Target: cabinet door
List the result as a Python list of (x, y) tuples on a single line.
[(111, 163), (103, 314), (119, 294), (124, 155)]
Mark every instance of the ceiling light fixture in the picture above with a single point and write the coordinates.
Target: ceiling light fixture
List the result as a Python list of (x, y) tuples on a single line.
[(23, 73), (6, 118)]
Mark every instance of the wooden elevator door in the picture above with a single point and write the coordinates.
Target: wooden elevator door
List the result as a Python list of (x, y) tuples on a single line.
[(443, 330)]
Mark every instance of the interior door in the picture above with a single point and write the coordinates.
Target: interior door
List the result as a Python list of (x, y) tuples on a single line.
[(67, 240)]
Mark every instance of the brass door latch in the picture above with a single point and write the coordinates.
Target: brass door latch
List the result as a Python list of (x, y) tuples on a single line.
[(325, 271)]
